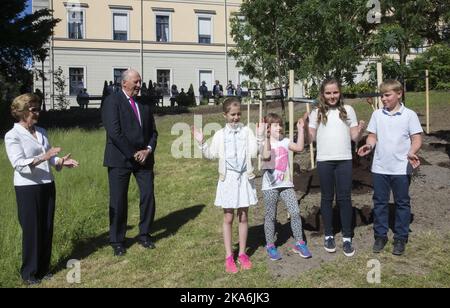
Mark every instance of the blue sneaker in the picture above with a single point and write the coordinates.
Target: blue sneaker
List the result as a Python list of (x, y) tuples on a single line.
[(302, 250), (273, 253)]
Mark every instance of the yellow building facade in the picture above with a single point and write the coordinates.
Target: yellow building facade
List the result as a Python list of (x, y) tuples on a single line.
[(169, 42)]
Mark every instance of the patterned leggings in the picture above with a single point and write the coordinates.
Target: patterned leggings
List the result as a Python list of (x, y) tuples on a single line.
[(270, 201)]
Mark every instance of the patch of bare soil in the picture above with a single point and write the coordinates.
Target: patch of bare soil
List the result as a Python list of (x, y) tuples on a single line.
[(429, 191)]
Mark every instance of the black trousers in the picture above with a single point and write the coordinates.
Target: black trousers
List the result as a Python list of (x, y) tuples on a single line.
[(36, 211), (119, 180), (336, 178)]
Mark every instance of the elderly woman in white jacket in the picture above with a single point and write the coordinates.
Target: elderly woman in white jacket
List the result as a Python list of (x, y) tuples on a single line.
[(31, 156)]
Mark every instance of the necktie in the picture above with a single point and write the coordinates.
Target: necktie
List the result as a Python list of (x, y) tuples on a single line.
[(133, 106)]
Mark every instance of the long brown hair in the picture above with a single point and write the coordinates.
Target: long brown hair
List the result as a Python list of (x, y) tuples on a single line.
[(324, 107)]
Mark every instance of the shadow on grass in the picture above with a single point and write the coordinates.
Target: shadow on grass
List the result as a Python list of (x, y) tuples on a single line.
[(169, 224), (313, 223)]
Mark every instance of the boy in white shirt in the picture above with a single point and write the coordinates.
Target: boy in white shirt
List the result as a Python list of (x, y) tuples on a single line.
[(396, 135)]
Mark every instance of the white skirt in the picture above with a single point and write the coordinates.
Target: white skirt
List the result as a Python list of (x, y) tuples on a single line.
[(236, 191)]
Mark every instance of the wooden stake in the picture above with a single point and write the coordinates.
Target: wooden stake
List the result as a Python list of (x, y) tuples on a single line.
[(427, 94), (260, 120), (379, 81), (291, 121), (248, 113), (311, 146)]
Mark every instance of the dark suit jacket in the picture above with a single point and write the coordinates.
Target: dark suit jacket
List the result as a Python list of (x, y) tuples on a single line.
[(124, 135)]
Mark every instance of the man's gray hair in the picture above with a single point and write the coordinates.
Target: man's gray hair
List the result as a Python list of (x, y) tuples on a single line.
[(126, 74)]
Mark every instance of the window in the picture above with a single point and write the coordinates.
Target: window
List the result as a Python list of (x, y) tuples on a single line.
[(162, 28), (120, 26), (76, 80), (243, 78), (206, 76), (393, 50), (163, 81), (76, 24), (204, 30), (244, 25), (118, 75)]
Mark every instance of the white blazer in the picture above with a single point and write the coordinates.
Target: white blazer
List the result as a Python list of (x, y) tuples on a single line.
[(22, 148)]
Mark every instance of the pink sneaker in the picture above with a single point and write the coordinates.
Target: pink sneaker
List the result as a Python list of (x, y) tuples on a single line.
[(244, 261), (230, 266)]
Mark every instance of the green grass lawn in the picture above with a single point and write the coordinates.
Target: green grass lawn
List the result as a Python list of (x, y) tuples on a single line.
[(187, 228)]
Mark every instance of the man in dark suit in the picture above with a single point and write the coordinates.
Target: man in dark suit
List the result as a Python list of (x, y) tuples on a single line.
[(130, 147)]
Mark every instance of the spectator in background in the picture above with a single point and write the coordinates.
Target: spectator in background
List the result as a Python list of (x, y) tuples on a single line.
[(173, 95), (83, 98), (239, 91), (217, 92), (230, 88), (203, 92)]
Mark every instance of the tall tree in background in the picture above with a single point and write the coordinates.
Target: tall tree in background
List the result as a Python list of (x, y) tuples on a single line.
[(410, 24), (331, 36), (317, 38), (21, 38), (263, 36)]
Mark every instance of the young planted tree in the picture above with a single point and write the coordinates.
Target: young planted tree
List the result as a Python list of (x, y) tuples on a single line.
[(60, 85), (263, 36)]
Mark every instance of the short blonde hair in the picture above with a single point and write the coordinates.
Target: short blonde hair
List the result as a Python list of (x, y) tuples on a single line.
[(391, 85), (229, 102), (21, 105)]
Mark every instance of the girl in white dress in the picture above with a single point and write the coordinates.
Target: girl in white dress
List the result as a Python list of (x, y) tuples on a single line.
[(234, 145)]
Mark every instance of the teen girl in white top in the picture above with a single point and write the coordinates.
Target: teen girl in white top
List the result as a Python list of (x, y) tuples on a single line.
[(334, 125)]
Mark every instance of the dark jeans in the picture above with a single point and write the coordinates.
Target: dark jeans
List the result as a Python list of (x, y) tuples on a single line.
[(336, 176), (36, 209), (382, 185)]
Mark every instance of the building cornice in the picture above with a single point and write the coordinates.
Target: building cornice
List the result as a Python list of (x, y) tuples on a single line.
[(137, 51), (207, 12), (75, 4), (62, 39), (160, 9), (120, 7)]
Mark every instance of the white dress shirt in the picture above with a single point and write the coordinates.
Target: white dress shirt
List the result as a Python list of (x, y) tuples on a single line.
[(22, 149)]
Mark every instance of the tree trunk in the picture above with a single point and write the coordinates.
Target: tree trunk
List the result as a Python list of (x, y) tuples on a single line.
[(280, 77), (263, 89), (403, 53), (43, 86)]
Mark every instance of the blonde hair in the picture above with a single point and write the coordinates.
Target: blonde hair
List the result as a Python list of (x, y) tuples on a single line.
[(391, 85), (21, 105), (228, 102), (324, 107)]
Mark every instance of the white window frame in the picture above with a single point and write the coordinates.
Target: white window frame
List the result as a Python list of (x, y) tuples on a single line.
[(169, 14), (114, 11), (198, 70), (171, 77), (210, 16), (117, 68), (77, 9), (85, 85)]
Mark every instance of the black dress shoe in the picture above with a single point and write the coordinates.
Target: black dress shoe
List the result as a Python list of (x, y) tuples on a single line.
[(119, 251), (147, 244), (48, 276), (31, 281)]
